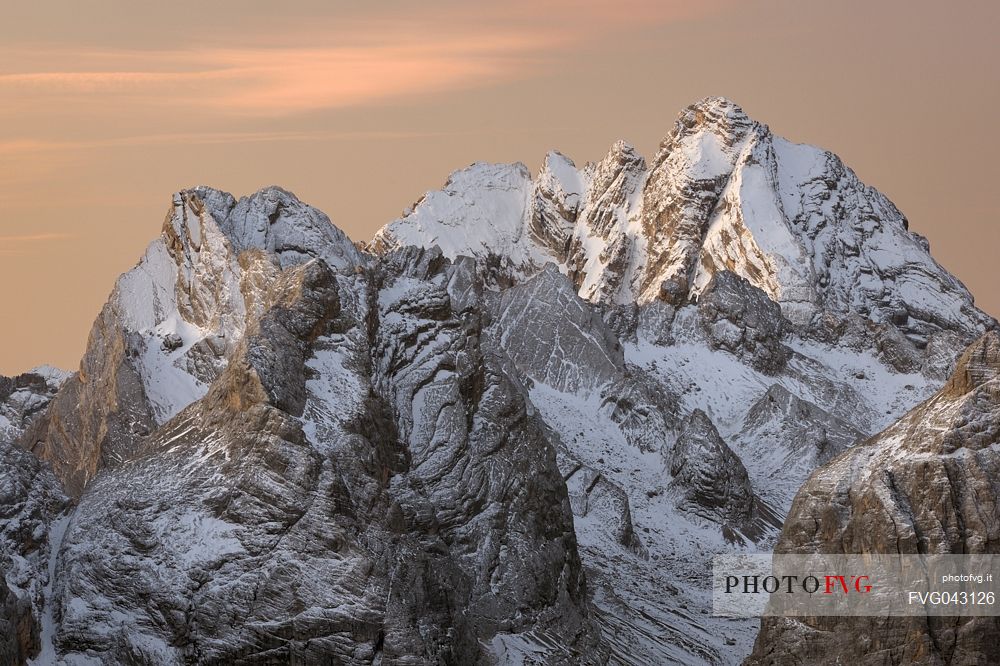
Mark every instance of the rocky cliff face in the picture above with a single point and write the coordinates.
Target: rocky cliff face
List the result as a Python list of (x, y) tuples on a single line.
[(512, 430), (25, 397), (722, 194), (709, 479), (925, 485), (31, 508), (171, 322), (362, 482)]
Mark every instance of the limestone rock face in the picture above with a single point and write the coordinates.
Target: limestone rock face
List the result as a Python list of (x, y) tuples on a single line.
[(741, 319), (364, 482), (686, 181), (604, 248), (792, 434), (924, 485), (171, 322), (31, 500), (275, 220), (556, 338), (18, 633), (595, 498), (645, 415), (25, 397), (708, 478), (556, 204), (512, 429), (723, 193)]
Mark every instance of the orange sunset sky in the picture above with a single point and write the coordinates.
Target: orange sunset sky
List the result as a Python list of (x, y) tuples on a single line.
[(107, 107)]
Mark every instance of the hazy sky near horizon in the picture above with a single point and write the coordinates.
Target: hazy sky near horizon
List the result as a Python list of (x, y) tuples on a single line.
[(108, 107)]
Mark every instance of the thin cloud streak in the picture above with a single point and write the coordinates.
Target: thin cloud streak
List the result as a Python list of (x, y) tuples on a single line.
[(23, 244), (33, 146), (280, 82), (413, 54), (33, 238), (25, 147)]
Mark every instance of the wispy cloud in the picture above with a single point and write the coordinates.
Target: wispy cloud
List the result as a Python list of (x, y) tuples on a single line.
[(356, 62), (23, 244), (283, 81), (276, 82), (20, 147), (33, 238)]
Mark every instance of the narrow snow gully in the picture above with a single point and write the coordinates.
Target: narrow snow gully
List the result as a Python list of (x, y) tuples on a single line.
[(47, 655)]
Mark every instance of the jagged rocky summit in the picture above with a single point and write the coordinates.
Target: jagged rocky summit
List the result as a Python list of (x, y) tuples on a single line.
[(722, 194), (511, 429)]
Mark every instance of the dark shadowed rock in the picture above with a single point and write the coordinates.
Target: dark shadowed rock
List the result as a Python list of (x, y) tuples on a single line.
[(317, 506), (709, 479), (30, 501), (742, 320), (924, 485)]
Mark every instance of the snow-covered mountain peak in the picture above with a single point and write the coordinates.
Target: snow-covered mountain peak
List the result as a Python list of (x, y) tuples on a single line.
[(621, 157), (276, 221), (171, 323), (272, 219), (560, 177), (480, 212), (216, 203), (621, 152), (722, 193), (622, 369), (706, 141), (717, 114)]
